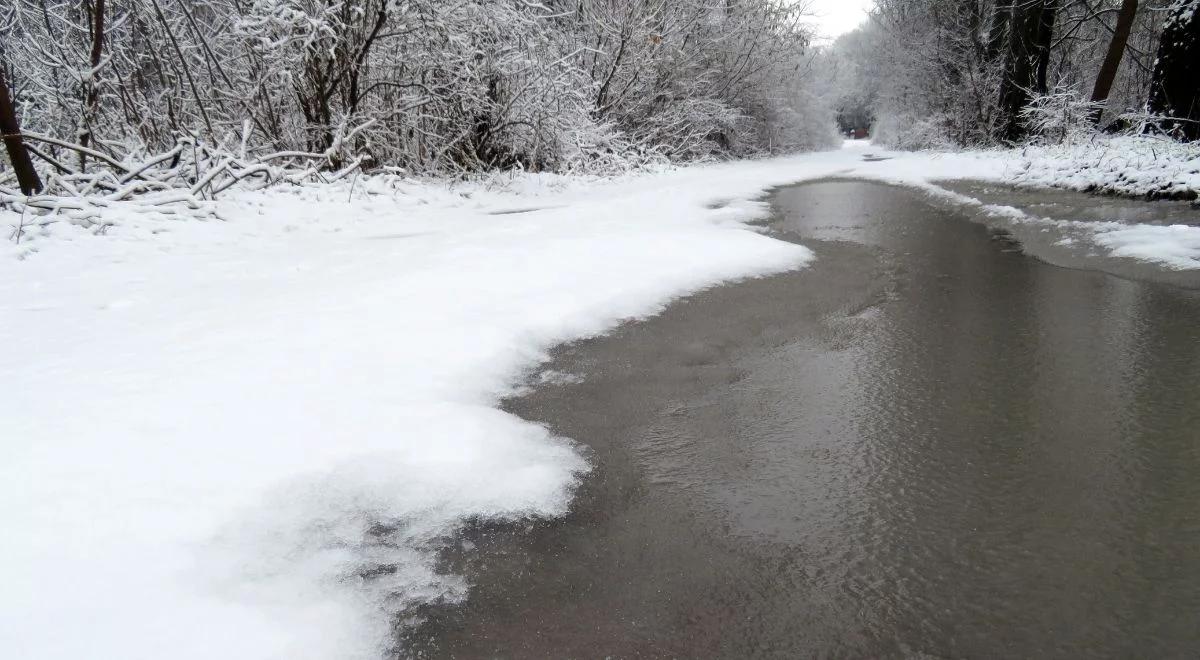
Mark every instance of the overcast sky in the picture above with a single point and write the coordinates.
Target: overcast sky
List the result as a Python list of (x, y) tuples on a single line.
[(836, 17)]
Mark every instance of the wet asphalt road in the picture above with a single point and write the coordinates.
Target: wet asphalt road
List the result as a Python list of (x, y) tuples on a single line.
[(926, 445)]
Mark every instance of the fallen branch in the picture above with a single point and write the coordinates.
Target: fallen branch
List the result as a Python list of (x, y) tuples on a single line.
[(108, 160)]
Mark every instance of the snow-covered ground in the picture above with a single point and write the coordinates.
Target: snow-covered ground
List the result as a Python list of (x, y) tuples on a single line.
[(1174, 246), (1133, 166), (246, 439)]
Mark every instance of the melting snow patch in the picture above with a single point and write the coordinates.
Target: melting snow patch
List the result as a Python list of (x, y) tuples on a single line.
[(1174, 246)]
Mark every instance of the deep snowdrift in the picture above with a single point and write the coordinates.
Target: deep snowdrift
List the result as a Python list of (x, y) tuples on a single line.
[(246, 439)]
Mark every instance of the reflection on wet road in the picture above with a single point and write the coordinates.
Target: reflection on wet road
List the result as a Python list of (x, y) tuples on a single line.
[(928, 444)]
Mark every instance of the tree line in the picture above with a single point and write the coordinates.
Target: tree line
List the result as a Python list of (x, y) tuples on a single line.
[(984, 72), (420, 86)]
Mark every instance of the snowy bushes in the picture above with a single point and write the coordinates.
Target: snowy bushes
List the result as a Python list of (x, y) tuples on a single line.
[(479, 86), (424, 85), (909, 133), (791, 127), (937, 79), (1061, 117)]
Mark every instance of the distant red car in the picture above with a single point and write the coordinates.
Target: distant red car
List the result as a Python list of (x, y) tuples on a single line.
[(861, 134)]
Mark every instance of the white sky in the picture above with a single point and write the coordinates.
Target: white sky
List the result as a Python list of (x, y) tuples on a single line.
[(837, 17)]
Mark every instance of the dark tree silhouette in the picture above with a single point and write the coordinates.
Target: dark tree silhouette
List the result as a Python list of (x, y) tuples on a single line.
[(1175, 86), (1112, 59), (27, 176), (91, 100), (1026, 61)]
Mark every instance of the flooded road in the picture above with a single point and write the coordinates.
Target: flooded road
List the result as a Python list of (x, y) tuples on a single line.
[(928, 444)]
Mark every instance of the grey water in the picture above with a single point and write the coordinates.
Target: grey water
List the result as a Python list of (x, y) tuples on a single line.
[(1072, 205), (927, 444), (1059, 226)]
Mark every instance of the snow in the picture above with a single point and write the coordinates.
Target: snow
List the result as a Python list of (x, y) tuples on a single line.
[(1133, 166), (249, 438), (1174, 246)]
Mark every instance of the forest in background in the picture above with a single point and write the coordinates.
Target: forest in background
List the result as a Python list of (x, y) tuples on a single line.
[(978, 73)]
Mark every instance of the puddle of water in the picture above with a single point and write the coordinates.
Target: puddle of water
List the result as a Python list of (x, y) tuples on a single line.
[(925, 445)]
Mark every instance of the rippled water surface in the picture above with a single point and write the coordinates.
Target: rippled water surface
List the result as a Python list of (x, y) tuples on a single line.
[(928, 444)]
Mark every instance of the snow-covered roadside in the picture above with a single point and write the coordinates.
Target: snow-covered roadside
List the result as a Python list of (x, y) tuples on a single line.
[(245, 439), (1145, 166), (1133, 174)]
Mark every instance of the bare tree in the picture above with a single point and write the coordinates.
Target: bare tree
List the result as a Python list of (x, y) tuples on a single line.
[(1113, 57), (91, 92), (27, 176)]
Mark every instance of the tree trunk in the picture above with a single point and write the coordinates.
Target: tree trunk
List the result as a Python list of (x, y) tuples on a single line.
[(1175, 85), (91, 102), (27, 177), (1043, 42), (1112, 60), (1026, 62)]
